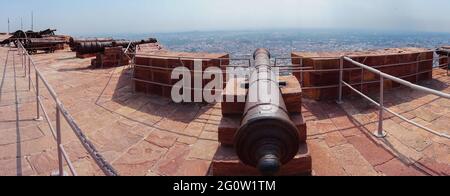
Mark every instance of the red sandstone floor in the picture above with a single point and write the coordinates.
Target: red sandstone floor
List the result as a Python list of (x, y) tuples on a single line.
[(142, 135)]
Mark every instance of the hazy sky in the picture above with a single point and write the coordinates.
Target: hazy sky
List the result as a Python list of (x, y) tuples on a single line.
[(143, 16)]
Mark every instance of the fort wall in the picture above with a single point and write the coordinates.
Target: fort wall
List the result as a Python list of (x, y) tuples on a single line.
[(411, 64), (153, 72)]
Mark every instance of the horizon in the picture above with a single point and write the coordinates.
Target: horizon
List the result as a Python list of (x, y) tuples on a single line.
[(87, 17), (320, 31), (264, 30)]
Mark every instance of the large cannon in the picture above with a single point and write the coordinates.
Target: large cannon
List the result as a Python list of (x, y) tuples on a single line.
[(90, 47), (267, 138), (22, 36)]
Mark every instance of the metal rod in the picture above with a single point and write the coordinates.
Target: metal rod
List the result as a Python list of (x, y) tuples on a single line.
[(362, 94), (29, 74), (58, 141), (341, 79), (381, 133), (68, 161), (104, 165), (23, 64), (101, 162), (362, 80), (38, 113), (400, 81), (48, 120), (20, 52), (47, 85), (396, 114), (418, 125)]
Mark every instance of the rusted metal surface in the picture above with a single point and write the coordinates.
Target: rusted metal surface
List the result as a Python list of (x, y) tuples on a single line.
[(45, 40), (48, 45), (22, 35), (74, 42), (88, 47), (267, 138)]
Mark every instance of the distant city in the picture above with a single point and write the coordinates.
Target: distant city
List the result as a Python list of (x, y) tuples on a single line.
[(282, 42)]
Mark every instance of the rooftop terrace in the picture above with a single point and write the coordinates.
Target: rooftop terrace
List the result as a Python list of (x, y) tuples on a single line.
[(149, 135)]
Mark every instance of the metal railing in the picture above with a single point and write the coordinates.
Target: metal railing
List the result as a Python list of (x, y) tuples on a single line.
[(28, 64), (301, 69), (380, 133), (292, 68)]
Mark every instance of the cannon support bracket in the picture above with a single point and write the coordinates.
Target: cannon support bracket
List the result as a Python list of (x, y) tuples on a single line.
[(226, 161)]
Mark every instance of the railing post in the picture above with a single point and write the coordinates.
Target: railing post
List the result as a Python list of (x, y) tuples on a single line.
[(341, 79), (21, 56), (133, 70), (58, 142), (38, 100), (29, 74), (380, 133), (24, 64)]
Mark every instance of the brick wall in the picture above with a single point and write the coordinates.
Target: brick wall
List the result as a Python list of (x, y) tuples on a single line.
[(111, 57), (444, 60), (159, 70)]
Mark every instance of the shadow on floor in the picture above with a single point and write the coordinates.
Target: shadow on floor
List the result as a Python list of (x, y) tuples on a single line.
[(393, 97), (152, 105)]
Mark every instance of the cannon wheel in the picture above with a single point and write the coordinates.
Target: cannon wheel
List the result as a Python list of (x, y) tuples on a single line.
[(32, 51), (20, 36)]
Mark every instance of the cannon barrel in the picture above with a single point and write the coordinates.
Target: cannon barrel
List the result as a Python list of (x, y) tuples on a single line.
[(87, 47), (40, 42), (92, 47), (75, 43), (125, 43), (49, 45), (267, 138)]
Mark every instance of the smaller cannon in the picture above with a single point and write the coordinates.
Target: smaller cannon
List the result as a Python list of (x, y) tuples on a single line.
[(74, 43), (48, 45), (40, 34), (267, 138), (262, 130)]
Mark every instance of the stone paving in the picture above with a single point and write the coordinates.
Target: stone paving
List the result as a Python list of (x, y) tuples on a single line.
[(149, 135)]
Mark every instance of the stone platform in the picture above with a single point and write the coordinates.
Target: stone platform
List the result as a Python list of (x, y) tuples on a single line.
[(226, 162), (149, 135)]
